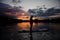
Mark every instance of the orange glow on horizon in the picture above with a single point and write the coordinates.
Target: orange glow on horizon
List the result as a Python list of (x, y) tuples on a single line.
[(23, 17)]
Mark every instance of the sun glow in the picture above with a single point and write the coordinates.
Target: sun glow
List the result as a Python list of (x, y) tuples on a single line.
[(23, 13)]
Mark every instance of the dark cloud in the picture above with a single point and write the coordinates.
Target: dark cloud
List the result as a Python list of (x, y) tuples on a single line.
[(48, 12), (4, 7)]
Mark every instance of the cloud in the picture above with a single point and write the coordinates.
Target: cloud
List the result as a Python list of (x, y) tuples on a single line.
[(4, 7), (48, 12), (8, 10)]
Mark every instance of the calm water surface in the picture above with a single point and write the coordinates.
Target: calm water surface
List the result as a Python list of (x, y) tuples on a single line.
[(41, 31)]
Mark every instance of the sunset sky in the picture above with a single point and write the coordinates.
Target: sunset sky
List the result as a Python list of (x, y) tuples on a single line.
[(30, 4)]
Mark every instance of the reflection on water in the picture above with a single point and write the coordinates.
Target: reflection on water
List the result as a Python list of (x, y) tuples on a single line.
[(24, 25), (10, 31)]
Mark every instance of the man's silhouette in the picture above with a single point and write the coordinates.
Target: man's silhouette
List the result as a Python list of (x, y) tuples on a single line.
[(31, 18), (31, 24)]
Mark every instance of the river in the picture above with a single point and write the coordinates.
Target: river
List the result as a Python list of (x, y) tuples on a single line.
[(24, 31)]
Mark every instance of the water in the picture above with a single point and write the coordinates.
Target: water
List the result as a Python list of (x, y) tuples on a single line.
[(23, 31)]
